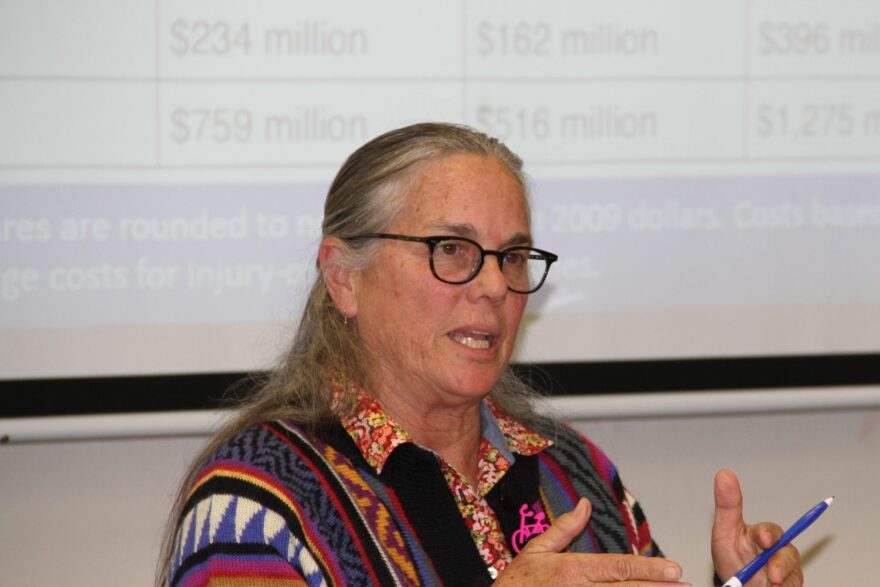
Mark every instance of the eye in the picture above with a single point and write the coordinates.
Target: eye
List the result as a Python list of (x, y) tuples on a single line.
[(449, 248), (516, 257)]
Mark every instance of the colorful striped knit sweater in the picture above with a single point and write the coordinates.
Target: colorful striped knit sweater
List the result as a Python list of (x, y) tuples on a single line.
[(276, 506)]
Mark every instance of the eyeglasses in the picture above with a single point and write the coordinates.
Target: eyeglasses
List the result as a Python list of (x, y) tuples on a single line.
[(457, 260)]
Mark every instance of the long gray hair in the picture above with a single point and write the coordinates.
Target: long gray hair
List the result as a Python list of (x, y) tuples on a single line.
[(367, 194)]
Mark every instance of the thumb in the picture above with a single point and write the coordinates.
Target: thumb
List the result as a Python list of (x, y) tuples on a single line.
[(566, 528), (728, 506)]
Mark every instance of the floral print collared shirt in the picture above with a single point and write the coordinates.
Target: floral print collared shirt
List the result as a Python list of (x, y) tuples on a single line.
[(377, 435)]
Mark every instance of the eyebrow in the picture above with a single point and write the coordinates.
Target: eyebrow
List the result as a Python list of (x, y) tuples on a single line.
[(467, 230)]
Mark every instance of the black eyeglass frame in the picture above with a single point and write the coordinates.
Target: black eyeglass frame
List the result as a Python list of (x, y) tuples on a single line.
[(433, 241)]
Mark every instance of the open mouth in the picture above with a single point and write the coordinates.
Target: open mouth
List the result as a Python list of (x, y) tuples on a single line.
[(474, 340)]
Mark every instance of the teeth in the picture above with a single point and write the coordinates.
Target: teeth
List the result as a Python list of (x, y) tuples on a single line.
[(475, 341)]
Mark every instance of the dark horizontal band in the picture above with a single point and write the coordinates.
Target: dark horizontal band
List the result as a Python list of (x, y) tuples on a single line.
[(43, 397)]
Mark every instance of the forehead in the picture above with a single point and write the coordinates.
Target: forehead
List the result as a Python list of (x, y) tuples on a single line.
[(466, 189)]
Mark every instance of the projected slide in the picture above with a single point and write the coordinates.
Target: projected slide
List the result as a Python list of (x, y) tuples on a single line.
[(708, 171)]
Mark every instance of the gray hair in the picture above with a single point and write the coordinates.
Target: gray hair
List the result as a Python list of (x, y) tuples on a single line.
[(367, 195)]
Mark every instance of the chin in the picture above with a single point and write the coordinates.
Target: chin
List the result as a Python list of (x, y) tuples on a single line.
[(477, 384)]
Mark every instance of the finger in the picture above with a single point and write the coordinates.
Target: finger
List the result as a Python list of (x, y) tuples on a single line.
[(728, 506), (784, 564), (616, 568), (765, 534), (796, 579), (566, 528)]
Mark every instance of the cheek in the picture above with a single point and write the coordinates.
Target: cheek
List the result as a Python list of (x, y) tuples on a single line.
[(387, 286), (515, 312), (432, 303), (417, 305)]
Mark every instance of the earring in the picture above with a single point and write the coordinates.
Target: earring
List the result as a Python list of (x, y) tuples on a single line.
[(344, 320)]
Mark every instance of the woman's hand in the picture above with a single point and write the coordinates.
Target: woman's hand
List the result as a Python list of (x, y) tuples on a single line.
[(543, 563), (734, 543)]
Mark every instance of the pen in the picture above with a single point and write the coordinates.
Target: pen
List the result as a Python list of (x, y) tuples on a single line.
[(759, 561)]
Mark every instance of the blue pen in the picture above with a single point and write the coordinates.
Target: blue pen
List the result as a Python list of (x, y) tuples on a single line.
[(753, 567)]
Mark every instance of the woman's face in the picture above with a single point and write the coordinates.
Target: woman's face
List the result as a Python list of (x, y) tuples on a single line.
[(433, 341)]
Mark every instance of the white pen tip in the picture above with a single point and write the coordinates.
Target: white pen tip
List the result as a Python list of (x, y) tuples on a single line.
[(829, 500)]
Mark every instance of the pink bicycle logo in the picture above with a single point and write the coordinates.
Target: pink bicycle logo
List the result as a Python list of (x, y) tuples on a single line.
[(528, 529)]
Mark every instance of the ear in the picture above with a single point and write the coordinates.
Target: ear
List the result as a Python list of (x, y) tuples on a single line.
[(338, 279)]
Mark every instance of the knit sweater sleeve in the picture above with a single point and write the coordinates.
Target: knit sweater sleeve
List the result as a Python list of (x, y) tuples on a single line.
[(636, 523), (275, 502), (576, 467), (638, 530), (228, 533)]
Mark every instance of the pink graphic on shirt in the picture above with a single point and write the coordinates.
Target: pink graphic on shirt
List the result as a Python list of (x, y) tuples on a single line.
[(528, 528)]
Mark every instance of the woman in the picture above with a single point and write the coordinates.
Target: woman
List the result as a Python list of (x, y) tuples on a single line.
[(393, 445)]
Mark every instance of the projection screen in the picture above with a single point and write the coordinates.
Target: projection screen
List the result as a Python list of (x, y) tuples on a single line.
[(708, 171)]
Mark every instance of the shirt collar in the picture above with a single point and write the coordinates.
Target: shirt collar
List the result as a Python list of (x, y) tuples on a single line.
[(376, 434)]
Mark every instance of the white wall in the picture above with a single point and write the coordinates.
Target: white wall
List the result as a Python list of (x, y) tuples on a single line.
[(786, 463), (89, 513)]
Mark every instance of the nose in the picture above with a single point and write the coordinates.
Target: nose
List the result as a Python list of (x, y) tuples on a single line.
[(490, 281)]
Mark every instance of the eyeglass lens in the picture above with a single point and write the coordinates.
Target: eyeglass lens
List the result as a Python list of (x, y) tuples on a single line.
[(457, 260)]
